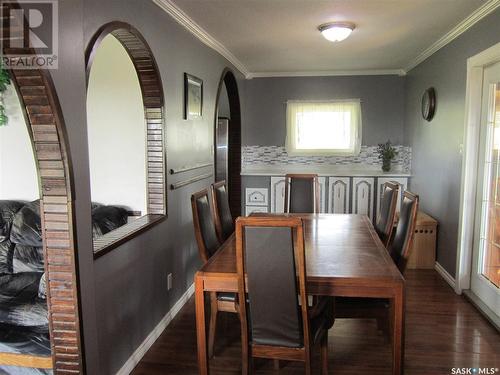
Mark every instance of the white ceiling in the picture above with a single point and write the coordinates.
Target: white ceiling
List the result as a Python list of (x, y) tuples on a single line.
[(280, 37)]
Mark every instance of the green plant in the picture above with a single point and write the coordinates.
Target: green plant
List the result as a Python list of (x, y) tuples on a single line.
[(4, 82), (386, 152)]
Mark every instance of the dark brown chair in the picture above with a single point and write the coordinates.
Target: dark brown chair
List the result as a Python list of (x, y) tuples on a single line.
[(301, 193), (377, 308), (385, 218), (208, 244), (224, 223), (402, 243), (275, 323)]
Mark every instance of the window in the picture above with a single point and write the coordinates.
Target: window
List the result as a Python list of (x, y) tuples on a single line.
[(323, 128)]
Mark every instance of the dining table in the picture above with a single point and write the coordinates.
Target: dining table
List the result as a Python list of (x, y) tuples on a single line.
[(344, 258)]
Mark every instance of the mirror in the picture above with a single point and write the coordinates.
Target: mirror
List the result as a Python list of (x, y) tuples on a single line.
[(24, 325)]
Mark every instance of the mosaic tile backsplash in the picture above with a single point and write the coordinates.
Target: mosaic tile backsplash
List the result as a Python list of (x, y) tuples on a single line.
[(276, 155)]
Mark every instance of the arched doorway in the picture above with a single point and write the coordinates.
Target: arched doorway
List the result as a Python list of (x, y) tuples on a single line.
[(43, 116), (227, 139)]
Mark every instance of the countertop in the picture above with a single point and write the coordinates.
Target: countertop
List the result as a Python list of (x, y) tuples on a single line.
[(321, 170)]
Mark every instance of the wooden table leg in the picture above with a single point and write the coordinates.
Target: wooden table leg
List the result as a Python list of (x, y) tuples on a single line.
[(398, 339), (201, 333)]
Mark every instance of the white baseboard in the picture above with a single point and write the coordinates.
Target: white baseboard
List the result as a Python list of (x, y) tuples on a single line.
[(155, 333), (445, 275)]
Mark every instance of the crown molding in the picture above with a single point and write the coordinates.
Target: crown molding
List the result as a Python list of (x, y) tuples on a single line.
[(189, 24), (324, 73), (454, 33)]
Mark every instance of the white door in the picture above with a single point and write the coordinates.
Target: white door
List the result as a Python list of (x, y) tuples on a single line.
[(338, 199), (485, 275), (278, 194), (403, 184), (362, 196)]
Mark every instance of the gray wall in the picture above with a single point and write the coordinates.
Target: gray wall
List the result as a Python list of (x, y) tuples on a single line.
[(382, 105), (436, 158), (124, 292)]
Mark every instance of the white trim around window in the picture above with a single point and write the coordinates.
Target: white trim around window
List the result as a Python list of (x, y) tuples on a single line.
[(323, 128)]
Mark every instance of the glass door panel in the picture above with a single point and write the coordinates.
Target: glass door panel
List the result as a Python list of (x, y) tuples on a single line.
[(485, 276)]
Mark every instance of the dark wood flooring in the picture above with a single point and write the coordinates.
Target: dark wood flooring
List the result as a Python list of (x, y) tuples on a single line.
[(443, 331)]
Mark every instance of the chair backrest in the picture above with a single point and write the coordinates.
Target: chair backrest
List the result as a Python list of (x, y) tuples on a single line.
[(405, 232), (203, 222), (385, 217), (224, 223), (270, 252), (301, 193)]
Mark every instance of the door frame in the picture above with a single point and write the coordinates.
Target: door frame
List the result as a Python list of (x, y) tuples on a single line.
[(234, 139), (474, 92)]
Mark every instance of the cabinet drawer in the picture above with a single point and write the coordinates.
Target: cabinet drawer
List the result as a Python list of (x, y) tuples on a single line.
[(256, 196), (251, 209)]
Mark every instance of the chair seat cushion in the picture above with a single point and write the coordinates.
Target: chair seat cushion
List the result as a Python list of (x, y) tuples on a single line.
[(226, 297)]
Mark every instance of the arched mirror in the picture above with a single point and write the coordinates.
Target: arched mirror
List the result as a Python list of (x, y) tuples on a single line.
[(227, 139), (125, 136)]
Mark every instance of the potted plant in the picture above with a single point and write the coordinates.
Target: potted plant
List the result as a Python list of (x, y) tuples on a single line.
[(4, 82), (387, 153)]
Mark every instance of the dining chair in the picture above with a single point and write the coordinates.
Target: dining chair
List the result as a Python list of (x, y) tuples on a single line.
[(402, 243), (385, 218), (224, 223), (208, 243), (301, 193), (277, 322), (399, 249)]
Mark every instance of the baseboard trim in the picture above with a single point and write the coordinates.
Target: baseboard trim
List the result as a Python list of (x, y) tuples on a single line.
[(155, 333), (489, 314), (445, 275)]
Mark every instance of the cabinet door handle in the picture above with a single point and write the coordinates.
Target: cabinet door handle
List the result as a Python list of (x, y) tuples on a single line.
[(338, 195), (363, 194)]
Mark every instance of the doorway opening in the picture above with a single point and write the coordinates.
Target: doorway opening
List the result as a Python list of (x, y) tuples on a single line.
[(478, 263), (227, 139)]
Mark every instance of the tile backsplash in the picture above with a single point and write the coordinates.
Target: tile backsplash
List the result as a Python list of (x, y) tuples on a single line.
[(277, 155)]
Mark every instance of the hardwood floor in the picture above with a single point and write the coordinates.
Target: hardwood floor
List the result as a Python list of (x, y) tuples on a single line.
[(443, 331)]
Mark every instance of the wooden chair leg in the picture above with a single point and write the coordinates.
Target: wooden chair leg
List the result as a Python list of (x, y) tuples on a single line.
[(276, 364), (308, 365), (324, 354), (213, 324), (246, 357)]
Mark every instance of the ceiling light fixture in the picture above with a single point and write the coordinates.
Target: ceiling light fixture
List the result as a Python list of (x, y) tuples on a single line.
[(336, 31)]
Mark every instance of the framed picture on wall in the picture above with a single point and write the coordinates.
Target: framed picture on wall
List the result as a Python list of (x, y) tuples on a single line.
[(193, 97)]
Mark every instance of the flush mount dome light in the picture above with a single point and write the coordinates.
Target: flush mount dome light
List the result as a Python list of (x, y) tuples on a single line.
[(336, 31)]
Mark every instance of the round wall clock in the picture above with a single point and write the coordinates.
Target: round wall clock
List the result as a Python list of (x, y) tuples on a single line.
[(429, 103)]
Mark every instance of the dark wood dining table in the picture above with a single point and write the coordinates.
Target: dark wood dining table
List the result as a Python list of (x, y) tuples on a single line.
[(344, 257)]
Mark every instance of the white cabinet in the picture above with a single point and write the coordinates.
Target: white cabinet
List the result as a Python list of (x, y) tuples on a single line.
[(278, 194), (403, 185), (256, 200), (251, 209), (256, 196), (362, 196), (338, 198)]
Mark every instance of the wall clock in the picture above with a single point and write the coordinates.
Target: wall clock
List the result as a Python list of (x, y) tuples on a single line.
[(429, 103)]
